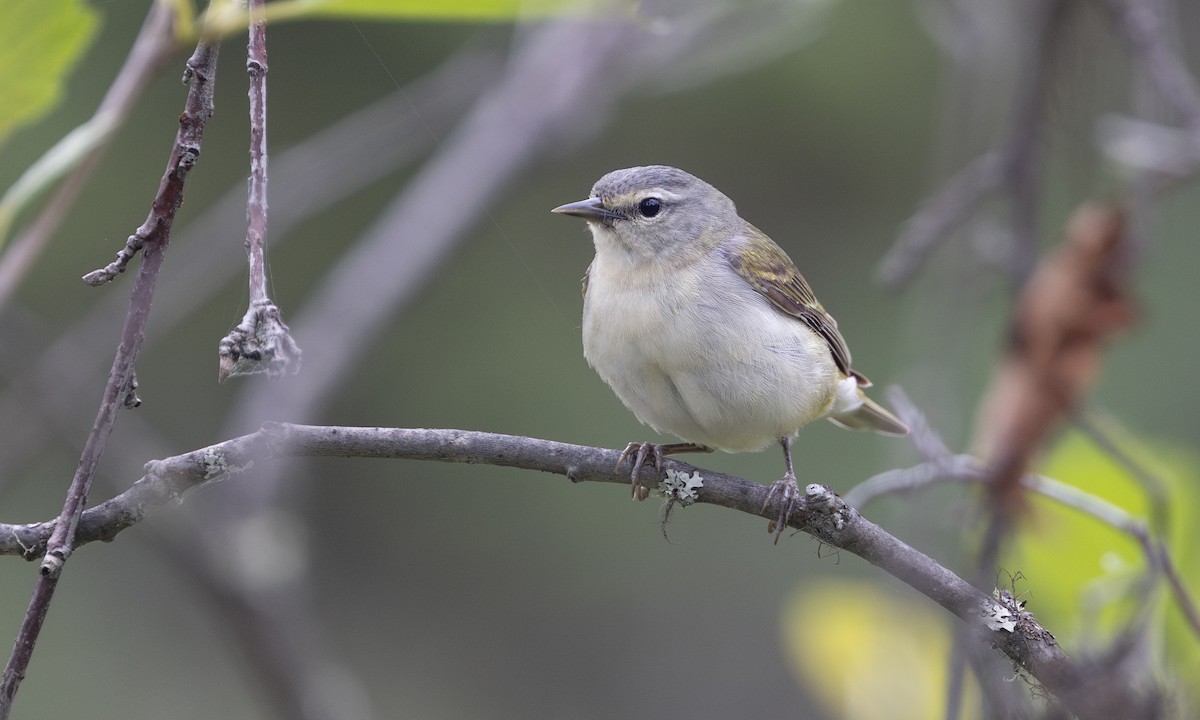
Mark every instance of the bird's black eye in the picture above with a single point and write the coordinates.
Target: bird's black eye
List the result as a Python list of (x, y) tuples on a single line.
[(649, 207)]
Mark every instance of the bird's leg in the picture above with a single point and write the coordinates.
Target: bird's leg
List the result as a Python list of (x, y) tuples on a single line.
[(787, 490), (638, 453)]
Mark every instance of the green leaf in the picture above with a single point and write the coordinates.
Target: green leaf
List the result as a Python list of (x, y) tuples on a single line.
[(226, 16), (471, 10), (40, 41), (1083, 576)]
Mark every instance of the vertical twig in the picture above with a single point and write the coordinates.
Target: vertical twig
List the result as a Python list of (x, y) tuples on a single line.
[(152, 238), (261, 338), (256, 201), (1013, 167), (1022, 168)]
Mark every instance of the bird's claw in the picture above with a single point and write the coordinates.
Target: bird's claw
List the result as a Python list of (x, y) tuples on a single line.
[(789, 497), (638, 453)]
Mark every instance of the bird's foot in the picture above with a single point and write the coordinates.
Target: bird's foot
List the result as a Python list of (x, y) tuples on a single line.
[(638, 453), (789, 496)]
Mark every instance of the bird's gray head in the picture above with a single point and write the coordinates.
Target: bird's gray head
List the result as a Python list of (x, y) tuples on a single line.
[(654, 211)]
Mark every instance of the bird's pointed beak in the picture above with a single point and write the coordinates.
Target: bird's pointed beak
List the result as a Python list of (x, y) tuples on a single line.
[(591, 209)]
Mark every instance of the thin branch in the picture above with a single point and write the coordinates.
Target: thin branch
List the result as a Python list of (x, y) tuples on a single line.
[(200, 72), (1024, 150), (358, 149), (951, 468), (942, 466), (39, 402), (1101, 429), (261, 341), (1145, 29), (154, 235), (970, 469), (1182, 595), (1012, 166), (938, 216), (1097, 428), (824, 515)]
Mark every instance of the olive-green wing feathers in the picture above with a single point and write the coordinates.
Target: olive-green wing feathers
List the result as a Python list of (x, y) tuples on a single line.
[(768, 269)]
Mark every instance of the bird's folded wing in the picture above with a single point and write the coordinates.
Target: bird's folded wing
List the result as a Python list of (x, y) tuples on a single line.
[(768, 269)]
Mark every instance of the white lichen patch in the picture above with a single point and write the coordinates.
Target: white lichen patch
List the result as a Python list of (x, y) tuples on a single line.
[(217, 465), (681, 487), (818, 497), (998, 617)]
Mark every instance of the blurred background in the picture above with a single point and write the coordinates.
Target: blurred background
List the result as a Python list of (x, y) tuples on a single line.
[(411, 249)]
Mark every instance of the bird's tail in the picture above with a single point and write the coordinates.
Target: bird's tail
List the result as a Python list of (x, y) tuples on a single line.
[(870, 416)]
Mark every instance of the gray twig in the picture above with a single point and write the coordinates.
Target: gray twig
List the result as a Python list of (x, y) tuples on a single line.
[(1011, 167), (261, 341), (353, 152), (939, 215), (940, 467), (1144, 27)]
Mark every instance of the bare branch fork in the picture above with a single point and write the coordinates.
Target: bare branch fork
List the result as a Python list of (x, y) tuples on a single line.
[(1168, 151), (970, 469), (1011, 168), (151, 238), (261, 339), (1001, 623)]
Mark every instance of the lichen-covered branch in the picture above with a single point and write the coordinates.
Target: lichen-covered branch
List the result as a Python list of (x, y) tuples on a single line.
[(1000, 622), (970, 469)]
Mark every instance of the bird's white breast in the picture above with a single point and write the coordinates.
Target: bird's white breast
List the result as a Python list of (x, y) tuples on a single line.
[(697, 353)]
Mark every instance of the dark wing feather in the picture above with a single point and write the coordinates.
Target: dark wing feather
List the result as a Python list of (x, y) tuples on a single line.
[(768, 269)]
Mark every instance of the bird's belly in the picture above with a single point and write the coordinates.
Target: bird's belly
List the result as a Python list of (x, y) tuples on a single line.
[(731, 380)]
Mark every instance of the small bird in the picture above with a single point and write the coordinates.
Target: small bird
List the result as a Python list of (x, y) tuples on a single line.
[(706, 330)]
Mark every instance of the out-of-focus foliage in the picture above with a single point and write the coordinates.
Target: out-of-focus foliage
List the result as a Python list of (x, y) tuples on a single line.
[(40, 42), (869, 652), (1083, 576), (225, 16), (39, 45)]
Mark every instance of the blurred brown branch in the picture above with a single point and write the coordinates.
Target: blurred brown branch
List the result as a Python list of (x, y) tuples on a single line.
[(1063, 319), (1061, 322)]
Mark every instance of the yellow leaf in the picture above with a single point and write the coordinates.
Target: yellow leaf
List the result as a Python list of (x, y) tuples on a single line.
[(1081, 577), (869, 653)]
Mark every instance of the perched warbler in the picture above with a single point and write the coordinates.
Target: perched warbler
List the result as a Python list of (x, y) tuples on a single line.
[(706, 330)]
